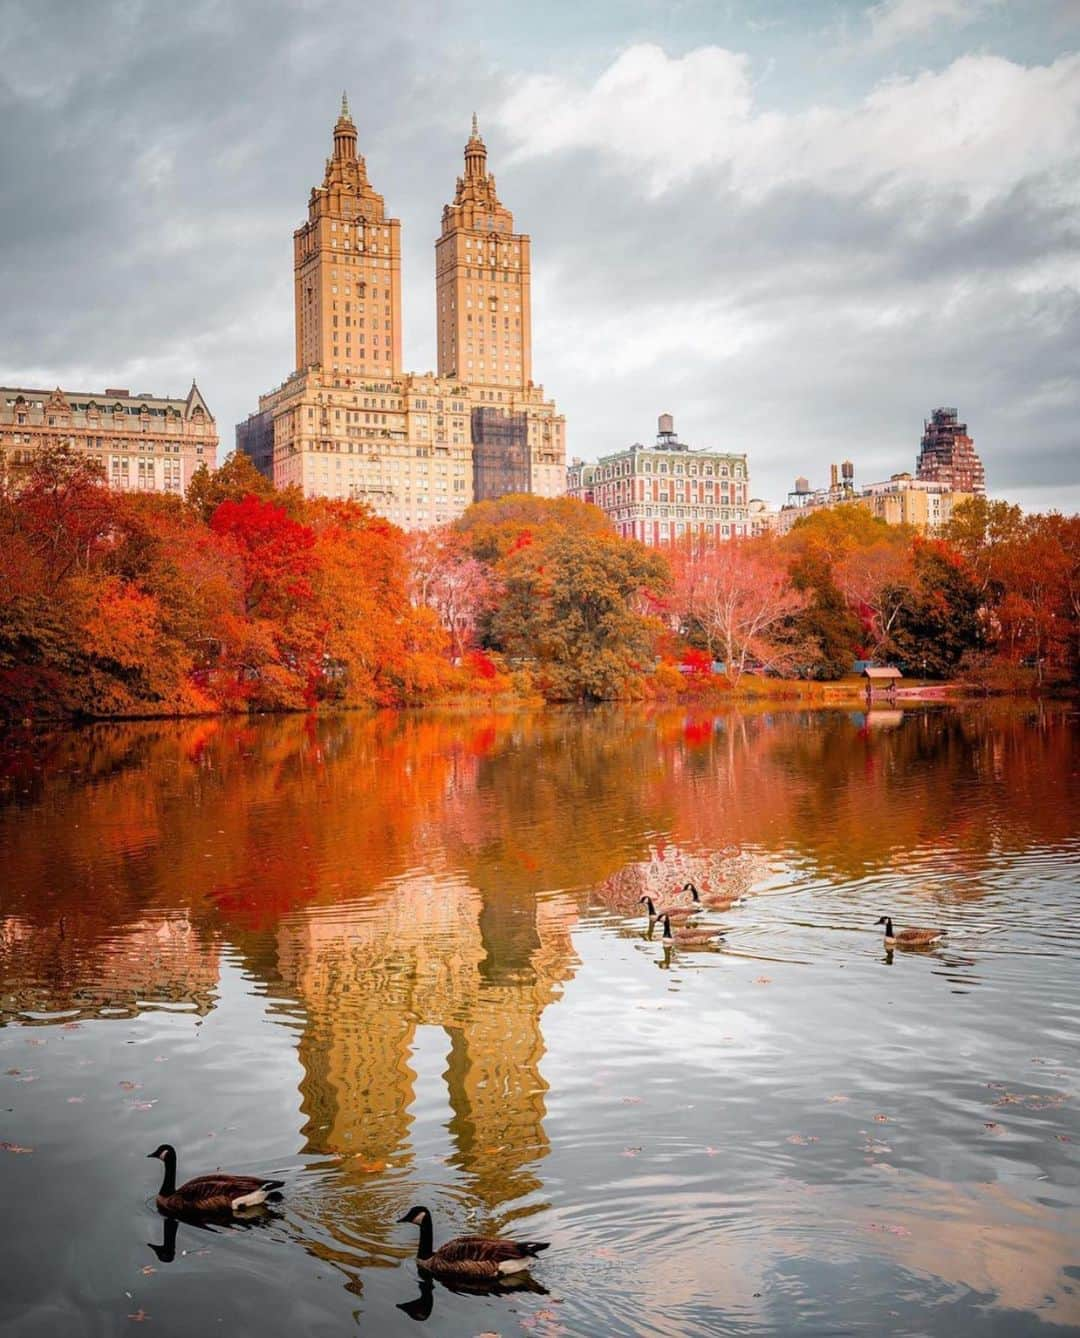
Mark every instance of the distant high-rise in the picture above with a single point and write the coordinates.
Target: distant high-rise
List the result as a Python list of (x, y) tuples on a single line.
[(948, 454)]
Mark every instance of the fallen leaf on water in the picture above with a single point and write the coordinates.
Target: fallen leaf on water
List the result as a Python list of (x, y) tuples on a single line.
[(14, 1147), (144, 1105), (75, 1100), (712, 1152), (1063, 1138), (993, 1126), (72, 1026), (889, 1228), (546, 1314), (371, 1166), (833, 1100), (631, 1100), (881, 1119), (631, 1152), (802, 1139), (763, 980), (128, 1086), (139, 1316), (13, 1073), (147, 1269)]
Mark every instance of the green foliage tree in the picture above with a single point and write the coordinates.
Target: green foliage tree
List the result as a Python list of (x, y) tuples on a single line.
[(572, 605), (941, 624), (827, 623)]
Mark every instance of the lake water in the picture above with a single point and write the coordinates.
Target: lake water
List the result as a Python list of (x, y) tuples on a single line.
[(399, 960)]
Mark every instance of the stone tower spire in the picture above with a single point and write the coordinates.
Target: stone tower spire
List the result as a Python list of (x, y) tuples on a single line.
[(347, 270), (476, 157), (482, 280), (345, 134)]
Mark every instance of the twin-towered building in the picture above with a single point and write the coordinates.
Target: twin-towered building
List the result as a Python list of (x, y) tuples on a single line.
[(350, 422)]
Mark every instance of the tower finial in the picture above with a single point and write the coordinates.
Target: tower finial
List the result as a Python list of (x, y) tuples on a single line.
[(345, 116), (475, 127)]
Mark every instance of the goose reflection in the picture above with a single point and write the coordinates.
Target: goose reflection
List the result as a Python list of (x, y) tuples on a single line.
[(420, 1307), (170, 1226)]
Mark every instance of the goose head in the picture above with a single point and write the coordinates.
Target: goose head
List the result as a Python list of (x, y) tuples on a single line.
[(164, 1153), (886, 920), (648, 902), (416, 1215), (689, 887)]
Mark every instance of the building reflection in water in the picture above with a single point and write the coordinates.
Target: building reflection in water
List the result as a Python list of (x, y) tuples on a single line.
[(435, 952)]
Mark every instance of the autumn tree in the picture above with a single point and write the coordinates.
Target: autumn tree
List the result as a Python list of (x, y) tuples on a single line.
[(375, 645), (736, 600), (495, 527), (940, 625), (571, 604), (234, 479), (446, 578)]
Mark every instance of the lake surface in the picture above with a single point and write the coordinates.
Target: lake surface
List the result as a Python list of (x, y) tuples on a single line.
[(398, 960)]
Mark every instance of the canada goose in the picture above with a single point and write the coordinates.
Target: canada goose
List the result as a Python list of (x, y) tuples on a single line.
[(719, 902), (655, 913), (470, 1256), (209, 1194), (688, 938), (909, 938)]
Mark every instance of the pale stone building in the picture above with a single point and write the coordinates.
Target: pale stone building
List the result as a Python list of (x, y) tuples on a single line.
[(900, 500), (349, 423), (143, 443), (662, 492)]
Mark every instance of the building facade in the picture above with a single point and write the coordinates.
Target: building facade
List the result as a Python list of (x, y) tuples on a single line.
[(899, 500), (349, 422), (143, 443), (659, 493), (947, 455)]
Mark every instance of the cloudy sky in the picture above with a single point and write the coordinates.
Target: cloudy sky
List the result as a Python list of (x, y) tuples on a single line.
[(796, 225)]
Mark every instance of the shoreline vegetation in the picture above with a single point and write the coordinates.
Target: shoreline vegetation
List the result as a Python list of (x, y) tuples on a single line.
[(241, 599)]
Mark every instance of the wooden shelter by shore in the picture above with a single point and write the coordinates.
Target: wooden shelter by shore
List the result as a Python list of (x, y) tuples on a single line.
[(881, 680)]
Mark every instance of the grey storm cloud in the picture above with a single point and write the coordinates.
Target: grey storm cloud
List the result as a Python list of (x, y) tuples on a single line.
[(156, 158)]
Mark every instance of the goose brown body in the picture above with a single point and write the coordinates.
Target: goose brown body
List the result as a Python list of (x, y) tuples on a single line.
[(480, 1258), (715, 901), (210, 1195), (689, 938), (658, 912), (909, 938)]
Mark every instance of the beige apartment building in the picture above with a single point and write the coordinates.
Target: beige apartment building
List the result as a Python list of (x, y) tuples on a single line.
[(143, 443), (349, 422), (662, 492), (900, 500)]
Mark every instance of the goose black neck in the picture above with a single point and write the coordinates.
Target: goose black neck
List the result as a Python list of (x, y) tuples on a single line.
[(426, 1245), (888, 927), (168, 1183), (652, 908)]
